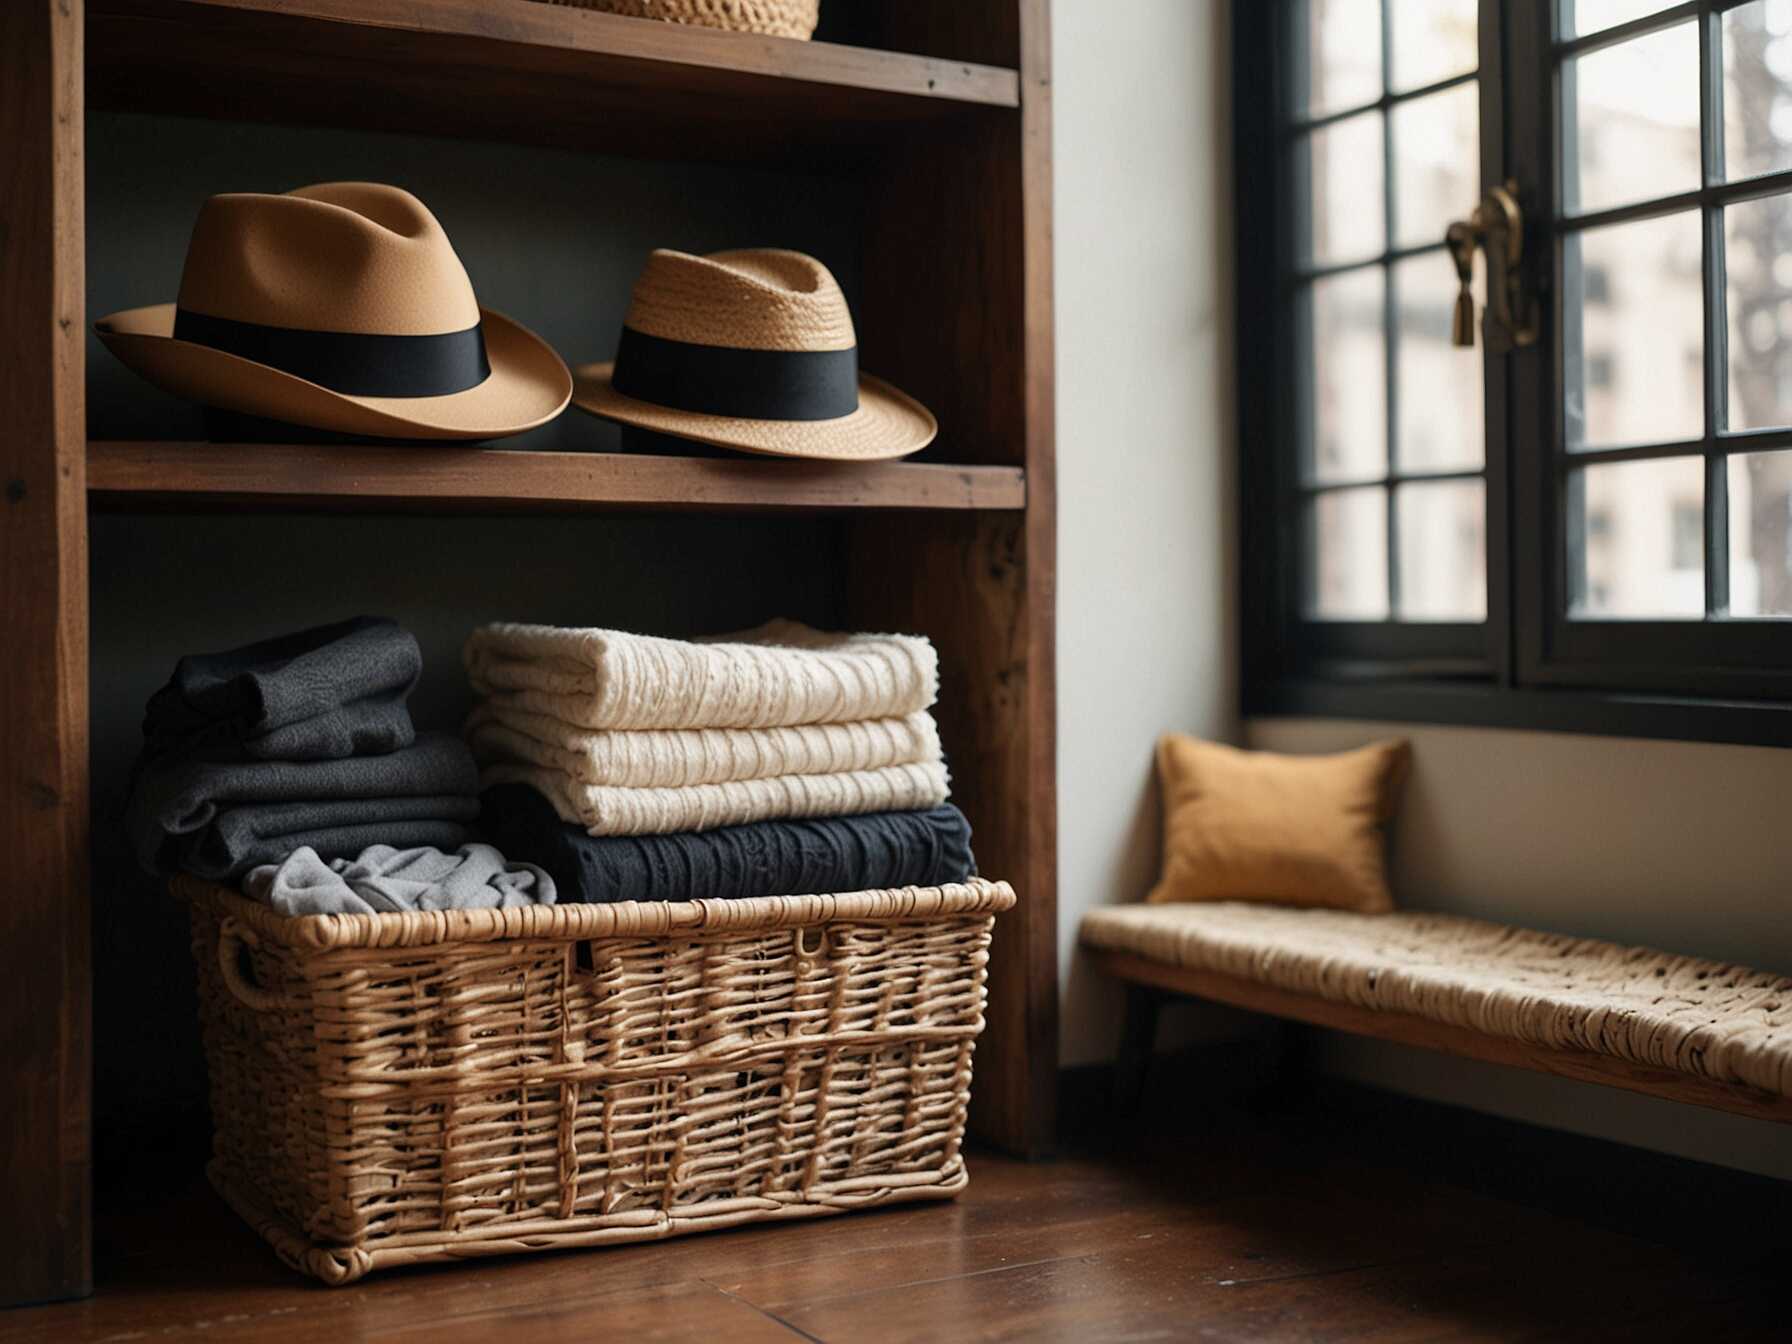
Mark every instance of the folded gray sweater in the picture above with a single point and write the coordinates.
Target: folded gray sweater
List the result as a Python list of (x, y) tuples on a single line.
[(219, 819), (382, 880), (332, 691)]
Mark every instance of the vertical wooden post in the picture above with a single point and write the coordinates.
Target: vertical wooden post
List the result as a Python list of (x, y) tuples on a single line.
[(1040, 400), (45, 1060), (957, 310)]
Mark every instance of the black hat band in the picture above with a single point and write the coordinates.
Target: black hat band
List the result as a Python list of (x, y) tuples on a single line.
[(353, 363), (746, 384)]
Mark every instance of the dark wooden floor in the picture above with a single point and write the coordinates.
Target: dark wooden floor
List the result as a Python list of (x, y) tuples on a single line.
[(1325, 1222)]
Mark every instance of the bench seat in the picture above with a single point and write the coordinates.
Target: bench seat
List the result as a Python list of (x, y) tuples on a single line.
[(1701, 1031)]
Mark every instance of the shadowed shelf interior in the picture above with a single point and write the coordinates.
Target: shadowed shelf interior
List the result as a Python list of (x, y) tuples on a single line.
[(534, 74)]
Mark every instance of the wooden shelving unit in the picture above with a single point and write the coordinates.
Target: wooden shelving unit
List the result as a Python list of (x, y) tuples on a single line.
[(939, 112), (535, 74), (121, 474)]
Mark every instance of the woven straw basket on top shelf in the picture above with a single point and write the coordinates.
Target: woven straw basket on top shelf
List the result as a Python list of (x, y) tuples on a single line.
[(393, 1089), (778, 18)]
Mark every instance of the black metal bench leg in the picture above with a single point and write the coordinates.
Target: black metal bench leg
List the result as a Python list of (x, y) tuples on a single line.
[(1292, 1081), (1137, 1039)]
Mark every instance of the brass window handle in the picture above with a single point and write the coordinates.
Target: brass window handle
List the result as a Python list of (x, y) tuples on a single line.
[(1496, 225)]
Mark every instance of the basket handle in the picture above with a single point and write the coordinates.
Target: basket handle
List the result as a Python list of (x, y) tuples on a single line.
[(233, 941)]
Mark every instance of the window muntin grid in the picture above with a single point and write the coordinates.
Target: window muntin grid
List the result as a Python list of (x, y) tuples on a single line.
[(1369, 328), (1679, 307)]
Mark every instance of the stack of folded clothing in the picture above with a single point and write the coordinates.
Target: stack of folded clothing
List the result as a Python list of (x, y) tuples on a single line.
[(300, 741), (777, 762)]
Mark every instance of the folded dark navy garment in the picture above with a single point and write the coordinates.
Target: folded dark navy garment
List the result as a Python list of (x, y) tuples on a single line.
[(221, 818), (333, 691), (764, 858)]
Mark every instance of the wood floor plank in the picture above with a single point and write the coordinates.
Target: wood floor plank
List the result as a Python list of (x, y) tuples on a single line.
[(1241, 1239), (1164, 1287), (669, 1311), (1557, 1289), (1230, 1227)]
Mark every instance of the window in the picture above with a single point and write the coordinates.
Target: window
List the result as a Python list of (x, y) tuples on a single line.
[(1383, 125), (1591, 529)]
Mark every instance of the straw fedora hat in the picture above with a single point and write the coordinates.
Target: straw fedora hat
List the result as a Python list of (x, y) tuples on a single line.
[(339, 307), (752, 350), (779, 18)]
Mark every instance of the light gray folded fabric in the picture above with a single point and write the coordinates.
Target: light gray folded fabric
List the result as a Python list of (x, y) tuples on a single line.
[(383, 880)]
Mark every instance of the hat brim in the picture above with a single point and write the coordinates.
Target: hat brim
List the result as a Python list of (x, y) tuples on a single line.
[(529, 384), (887, 423)]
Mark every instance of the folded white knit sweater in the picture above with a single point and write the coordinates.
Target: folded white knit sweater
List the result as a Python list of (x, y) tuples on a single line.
[(678, 757), (781, 674), (604, 810)]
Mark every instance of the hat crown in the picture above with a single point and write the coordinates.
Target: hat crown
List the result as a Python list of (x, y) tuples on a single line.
[(748, 299), (357, 257)]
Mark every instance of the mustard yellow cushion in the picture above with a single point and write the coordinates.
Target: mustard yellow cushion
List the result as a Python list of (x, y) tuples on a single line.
[(1294, 830)]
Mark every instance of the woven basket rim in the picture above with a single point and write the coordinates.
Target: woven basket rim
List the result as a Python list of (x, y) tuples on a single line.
[(421, 928)]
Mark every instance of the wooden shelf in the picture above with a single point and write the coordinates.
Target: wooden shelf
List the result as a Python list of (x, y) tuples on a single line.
[(286, 476), (939, 169), (518, 70)]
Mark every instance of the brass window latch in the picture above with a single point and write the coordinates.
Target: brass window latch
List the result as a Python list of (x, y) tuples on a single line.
[(1497, 226)]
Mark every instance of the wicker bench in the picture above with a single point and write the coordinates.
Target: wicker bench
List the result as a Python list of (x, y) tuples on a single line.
[(1696, 1031)]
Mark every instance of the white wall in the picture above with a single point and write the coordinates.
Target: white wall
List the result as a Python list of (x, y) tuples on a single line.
[(1145, 481)]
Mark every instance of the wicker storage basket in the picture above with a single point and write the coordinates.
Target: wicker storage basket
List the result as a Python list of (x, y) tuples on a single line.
[(778, 18), (391, 1089)]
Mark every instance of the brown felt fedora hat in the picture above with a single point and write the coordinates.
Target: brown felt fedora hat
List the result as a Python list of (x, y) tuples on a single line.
[(754, 350), (339, 307)]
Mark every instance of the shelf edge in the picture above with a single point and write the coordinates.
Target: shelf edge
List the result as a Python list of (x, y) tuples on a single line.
[(351, 476)]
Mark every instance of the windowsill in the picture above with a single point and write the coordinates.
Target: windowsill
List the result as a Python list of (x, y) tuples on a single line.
[(1479, 705)]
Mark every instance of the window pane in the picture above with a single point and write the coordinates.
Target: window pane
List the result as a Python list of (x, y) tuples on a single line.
[(1757, 89), (1641, 539), (1758, 299), (1344, 174), (1761, 534), (1349, 555), (1433, 39), (1632, 126), (1634, 328), (1443, 550), (1349, 439), (1437, 385), (1593, 16), (1437, 163), (1343, 56)]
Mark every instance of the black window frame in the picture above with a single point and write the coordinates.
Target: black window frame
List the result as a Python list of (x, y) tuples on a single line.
[(1530, 666)]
